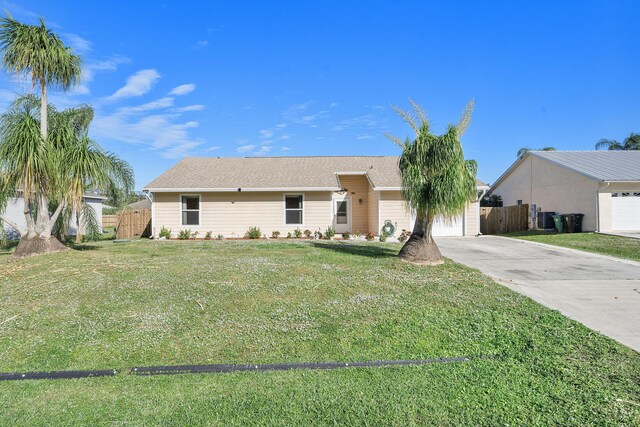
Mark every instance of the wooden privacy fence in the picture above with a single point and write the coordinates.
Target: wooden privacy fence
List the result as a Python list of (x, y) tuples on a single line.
[(109, 220), (133, 223), (504, 220)]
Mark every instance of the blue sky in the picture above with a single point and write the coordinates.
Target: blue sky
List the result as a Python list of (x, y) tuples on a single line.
[(184, 78)]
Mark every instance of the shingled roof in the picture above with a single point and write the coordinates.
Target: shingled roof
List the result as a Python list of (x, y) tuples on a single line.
[(277, 173)]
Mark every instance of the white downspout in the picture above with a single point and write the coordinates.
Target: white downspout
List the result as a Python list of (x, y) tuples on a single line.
[(149, 196)]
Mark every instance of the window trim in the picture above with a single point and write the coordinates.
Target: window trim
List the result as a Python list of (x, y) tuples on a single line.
[(199, 196), (284, 206)]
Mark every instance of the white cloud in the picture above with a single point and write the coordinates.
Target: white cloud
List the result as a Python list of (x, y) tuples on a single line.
[(182, 89), (284, 148), (296, 114), (333, 105), (214, 148), (253, 149), (200, 44), (266, 133), (77, 43), (245, 148), (365, 136), (364, 121), (153, 105), (137, 84), (281, 125), (284, 137), (196, 107)]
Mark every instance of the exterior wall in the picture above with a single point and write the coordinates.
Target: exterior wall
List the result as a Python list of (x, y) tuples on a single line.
[(15, 212), (373, 220), (605, 202), (551, 188), (232, 214), (358, 189), (472, 219), (393, 208)]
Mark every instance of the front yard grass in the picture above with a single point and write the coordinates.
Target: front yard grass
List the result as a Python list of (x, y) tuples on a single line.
[(605, 244), (158, 303)]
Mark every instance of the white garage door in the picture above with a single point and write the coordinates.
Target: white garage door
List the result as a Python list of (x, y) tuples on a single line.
[(448, 228), (625, 215), (442, 228)]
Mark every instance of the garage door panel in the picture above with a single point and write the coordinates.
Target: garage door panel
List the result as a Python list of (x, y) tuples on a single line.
[(625, 211), (442, 227)]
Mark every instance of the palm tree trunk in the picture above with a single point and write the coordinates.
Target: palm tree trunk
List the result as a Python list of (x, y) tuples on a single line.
[(41, 242), (421, 248), (43, 113), (78, 231)]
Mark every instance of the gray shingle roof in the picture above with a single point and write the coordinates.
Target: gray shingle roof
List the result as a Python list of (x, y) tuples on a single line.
[(275, 172), (599, 165), (282, 173)]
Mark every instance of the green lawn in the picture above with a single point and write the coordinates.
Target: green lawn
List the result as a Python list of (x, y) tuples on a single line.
[(114, 305), (605, 244)]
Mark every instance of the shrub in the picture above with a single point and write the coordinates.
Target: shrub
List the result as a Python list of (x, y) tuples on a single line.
[(307, 233), (404, 235), (289, 235), (330, 233), (298, 233), (185, 234), (357, 234), (318, 234), (220, 237), (346, 235), (383, 237), (165, 232), (370, 236), (275, 234), (110, 211), (253, 233), (207, 235)]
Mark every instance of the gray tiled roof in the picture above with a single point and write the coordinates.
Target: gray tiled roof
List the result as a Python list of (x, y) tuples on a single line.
[(600, 165)]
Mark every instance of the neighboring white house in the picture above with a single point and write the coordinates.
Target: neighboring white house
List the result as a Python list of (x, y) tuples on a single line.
[(15, 213), (602, 185), (228, 196)]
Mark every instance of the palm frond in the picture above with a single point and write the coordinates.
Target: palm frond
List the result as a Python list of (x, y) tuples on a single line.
[(408, 117), (465, 119)]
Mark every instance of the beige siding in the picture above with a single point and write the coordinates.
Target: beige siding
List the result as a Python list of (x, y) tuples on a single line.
[(393, 208), (374, 226), (358, 190), (472, 219), (551, 188), (232, 214)]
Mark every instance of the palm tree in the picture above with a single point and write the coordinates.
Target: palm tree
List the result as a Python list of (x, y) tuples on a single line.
[(526, 149), (60, 171), (35, 52), (436, 180), (632, 142)]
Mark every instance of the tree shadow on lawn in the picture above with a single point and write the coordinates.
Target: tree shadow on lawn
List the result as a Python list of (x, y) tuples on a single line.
[(366, 249)]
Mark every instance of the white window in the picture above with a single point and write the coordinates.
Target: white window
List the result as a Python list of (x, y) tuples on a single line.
[(190, 210), (293, 209)]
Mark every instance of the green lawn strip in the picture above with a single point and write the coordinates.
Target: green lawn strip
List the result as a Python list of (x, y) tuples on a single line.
[(605, 244), (160, 303)]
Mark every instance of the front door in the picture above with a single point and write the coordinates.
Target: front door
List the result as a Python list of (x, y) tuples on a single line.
[(342, 215)]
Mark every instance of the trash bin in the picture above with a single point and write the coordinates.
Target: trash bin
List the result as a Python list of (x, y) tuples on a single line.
[(557, 220), (569, 223), (545, 220), (577, 219)]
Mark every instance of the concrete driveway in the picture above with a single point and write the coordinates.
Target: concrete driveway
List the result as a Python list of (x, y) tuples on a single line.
[(601, 292)]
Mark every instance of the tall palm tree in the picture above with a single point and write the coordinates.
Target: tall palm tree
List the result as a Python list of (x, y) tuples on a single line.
[(34, 52), (632, 142), (62, 170), (526, 149), (436, 180)]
